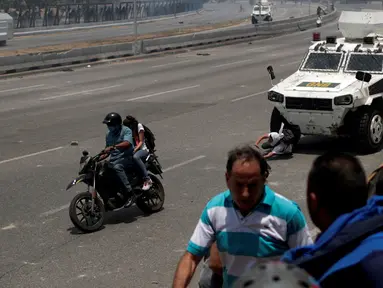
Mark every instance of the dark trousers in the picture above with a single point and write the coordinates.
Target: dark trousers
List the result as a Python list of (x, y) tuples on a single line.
[(119, 167)]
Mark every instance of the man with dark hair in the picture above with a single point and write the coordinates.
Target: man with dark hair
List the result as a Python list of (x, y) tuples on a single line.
[(336, 185), (247, 221), (349, 252)]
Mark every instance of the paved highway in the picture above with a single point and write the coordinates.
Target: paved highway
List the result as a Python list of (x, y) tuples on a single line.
[(214, 13), (198, 106)]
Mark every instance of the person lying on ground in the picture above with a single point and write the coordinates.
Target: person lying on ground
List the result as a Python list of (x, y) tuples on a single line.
[(276, 144)]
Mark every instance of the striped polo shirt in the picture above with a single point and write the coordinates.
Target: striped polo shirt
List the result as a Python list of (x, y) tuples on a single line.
[(274, 226)]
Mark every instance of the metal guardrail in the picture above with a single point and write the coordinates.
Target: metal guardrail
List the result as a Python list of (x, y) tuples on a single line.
[(13, 64), (45, 15)]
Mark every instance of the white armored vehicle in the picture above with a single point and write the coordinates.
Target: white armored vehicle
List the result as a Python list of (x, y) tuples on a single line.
[(338, 88)]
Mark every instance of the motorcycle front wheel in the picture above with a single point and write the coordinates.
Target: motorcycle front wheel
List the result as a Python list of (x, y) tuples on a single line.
[(81, 215)]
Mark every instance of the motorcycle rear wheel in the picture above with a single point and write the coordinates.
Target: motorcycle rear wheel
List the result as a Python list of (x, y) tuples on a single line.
[(93, 221), (157, 192)]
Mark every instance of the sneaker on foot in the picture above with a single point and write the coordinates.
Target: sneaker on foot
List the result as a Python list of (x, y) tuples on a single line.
[(147, 185)]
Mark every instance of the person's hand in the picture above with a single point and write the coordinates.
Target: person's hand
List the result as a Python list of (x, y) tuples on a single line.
[(108, 149)]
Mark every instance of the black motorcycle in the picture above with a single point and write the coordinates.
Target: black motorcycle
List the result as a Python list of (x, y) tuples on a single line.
[(87, 209)]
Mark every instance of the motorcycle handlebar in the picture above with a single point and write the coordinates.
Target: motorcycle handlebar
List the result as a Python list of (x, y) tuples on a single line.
[(103, 152)]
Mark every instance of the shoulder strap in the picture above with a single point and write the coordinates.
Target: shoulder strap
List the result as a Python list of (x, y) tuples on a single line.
[(345, 241)]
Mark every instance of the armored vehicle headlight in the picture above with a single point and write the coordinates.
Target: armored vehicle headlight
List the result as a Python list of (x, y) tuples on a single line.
[(275, 96), (343, 100)]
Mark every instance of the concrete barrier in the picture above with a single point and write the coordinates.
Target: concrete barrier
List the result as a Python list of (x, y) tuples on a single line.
[(87, 26), (20, 63)]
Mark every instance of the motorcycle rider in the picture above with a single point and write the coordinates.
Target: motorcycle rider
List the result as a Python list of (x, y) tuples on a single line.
[(119, 142)]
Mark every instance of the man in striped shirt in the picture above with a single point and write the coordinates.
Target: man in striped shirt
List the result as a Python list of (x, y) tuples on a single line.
[(248, 221)]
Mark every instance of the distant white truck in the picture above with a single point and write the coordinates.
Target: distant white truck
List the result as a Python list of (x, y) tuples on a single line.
[(262, 11), (6, 28)]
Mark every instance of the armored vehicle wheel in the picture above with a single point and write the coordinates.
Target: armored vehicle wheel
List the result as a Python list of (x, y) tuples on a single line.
[(370, 130), (254, 20)]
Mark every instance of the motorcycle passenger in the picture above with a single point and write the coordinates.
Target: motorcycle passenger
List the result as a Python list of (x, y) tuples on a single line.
[(140, 151), (119, 142)]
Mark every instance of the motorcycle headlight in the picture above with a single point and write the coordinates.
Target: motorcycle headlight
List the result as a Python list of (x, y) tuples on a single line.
[(343, 100), (275, 96)]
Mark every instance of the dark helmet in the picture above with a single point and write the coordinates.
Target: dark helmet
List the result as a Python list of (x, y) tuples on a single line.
[(275, 274), (113, 119)]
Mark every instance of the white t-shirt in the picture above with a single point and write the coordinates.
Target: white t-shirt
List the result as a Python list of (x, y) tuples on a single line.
[(141, 128)]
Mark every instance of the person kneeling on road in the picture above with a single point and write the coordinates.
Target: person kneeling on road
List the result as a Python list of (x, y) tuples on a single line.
[(277, 143), (119, 142)]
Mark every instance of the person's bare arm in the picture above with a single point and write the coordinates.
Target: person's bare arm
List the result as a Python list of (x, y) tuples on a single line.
[(261, 138), (198, 246), (215, 263), (270, 154), (185, 270)]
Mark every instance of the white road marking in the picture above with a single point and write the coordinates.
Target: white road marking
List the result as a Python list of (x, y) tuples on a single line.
[(63, 207), (30, 155), (233, 63), (80, 92), (291, 63), (273, 183), (54, 211), (184, 163), (169, 64), (21, 88), (11, 226), (260, 48), (248, 96), (161, 93)]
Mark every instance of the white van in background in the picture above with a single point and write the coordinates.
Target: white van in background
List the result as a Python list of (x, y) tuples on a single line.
[(262, 11), (6, 28)]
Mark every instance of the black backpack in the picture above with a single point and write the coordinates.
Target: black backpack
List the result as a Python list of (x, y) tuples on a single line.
[(149, 139)]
